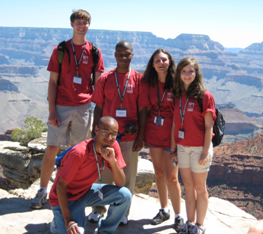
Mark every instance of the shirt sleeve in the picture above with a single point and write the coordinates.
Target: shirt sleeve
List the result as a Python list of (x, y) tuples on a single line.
[(100, 65), (70, 165), (98, 95), (209, 105), (53, 62), (143, 100)]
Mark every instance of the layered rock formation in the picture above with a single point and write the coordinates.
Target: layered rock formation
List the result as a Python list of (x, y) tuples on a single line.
[(230, 77), (237, 174)]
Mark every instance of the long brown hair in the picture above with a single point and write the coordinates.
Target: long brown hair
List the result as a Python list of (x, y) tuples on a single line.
[(151, 76), (197, 88)]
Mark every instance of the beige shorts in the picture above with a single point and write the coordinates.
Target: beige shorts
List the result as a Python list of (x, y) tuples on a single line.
[(75, 122), (188, 157)]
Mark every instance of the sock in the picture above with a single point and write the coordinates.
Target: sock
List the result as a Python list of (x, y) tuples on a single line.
[(45, 189), (177, 215), (166, 210)]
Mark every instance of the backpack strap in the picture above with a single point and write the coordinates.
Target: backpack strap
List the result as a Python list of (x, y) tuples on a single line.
[(95, 55), (61, 48)]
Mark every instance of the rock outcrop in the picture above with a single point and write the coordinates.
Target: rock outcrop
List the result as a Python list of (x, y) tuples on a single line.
[(222, 216), (22, 165)]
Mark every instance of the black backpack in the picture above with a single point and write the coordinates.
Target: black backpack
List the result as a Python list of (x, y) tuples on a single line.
[(219, 125), (95, 53)]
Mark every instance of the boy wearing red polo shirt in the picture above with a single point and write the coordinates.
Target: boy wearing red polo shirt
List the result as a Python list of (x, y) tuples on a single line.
[(68, 97), (120, 93)]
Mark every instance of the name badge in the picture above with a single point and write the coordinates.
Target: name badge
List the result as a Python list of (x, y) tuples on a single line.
[(100, 195), (181, 134), (158, 120), (77, 79), (121, 112)]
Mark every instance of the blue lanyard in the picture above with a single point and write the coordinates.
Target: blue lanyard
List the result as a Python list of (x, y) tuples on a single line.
[(126, 84), (182, 114), (75, 57)]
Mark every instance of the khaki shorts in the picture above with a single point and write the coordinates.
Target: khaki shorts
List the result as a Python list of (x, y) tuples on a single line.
[(75, 122), (188, 157)]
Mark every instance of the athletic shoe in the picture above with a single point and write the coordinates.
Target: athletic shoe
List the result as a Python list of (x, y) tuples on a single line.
[(199, 229), (178, 223), (124, 221), (94, 217), (96, 231), (39, 200), (160, 217), (53, 227), (187, 228)]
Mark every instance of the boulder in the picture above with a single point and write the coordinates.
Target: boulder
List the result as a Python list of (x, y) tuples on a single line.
[(145, 176)]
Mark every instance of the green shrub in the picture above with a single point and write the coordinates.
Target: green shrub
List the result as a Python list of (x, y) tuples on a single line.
[(32, 130)]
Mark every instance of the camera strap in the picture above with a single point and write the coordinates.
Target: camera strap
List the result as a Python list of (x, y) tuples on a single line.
[(158, 95)]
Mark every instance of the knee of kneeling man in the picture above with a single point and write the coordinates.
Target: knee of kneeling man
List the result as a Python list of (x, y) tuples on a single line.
[(126, 193)]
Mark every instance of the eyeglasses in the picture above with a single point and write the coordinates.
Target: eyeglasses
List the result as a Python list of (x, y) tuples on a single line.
[(82, 24), (123, 55), (107, 133)]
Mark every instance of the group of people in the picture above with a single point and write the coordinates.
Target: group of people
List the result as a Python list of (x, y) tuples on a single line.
[(162, 110)]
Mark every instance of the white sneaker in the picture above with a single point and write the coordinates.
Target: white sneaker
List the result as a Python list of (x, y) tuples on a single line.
[(94, 217), (53, 227), (124, 221), (96, 231)]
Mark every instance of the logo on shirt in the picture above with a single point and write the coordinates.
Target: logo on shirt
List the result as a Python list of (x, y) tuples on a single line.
[(85, 59), (190, 106), (129, 88), (169, 96)]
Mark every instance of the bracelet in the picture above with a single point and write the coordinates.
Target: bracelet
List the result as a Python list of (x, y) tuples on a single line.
[(71, 226)]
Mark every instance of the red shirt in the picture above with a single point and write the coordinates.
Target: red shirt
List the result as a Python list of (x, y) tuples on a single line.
[(194, 126), (159, 136), (69, 93), (106, 95), (79, 169)]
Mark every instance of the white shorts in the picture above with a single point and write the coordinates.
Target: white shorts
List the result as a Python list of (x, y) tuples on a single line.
[(188, 157), (75, 122)]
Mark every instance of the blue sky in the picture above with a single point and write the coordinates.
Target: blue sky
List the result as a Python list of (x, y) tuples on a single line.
[(233, 23)]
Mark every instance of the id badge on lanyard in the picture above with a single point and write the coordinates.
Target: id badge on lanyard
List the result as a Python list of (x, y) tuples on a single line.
[(77, 79), (121, 112)]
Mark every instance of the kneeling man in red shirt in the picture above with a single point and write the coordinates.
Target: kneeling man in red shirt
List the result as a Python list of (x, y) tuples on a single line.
[(74, 187)]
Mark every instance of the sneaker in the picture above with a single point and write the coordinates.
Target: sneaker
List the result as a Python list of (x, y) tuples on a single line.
[(94, 217), (199, 229), (96, 231), (39, 200), (53, 227), (124, 221), (187, 228), (178, 223), (160, 217)]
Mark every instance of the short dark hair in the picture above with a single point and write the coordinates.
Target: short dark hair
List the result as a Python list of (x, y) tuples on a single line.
[(151, 76), (197, 88), (124, 44), (80, 14), (107, 118)]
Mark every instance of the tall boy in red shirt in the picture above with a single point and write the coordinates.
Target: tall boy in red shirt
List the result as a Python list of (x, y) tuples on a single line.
[(68, 97)]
